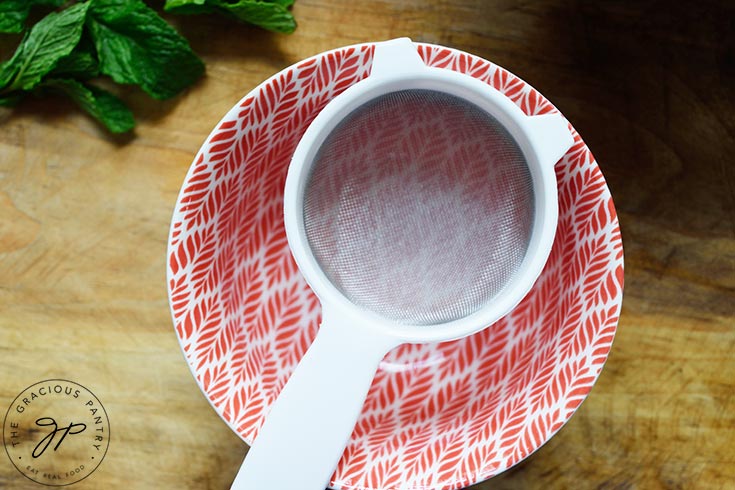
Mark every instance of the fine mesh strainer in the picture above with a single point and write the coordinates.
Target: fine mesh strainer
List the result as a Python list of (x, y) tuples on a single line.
[(420, 205)]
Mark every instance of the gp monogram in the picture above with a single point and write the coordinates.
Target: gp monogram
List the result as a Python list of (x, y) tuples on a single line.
[(56, 432)]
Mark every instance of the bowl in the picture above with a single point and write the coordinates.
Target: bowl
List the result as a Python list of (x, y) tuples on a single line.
[(444, 415)]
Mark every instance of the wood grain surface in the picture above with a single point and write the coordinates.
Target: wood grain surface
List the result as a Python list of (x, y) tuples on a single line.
[(650, 86)]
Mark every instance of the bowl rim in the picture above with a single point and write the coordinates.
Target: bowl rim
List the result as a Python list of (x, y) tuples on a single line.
[(470, 478)]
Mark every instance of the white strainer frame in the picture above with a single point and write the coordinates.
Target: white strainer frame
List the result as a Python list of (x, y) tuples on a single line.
[(543, 140)]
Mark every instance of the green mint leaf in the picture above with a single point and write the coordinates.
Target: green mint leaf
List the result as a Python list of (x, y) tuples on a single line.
[(135, 45), (172, 4), (52, 38), (188, 7), (272, 15), (80, 63), (100, 104), (14, 13)]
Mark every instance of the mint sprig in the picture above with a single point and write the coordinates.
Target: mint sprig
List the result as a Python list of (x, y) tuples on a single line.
[(268, 14), (124, 40), (137, 46), (54, 37)]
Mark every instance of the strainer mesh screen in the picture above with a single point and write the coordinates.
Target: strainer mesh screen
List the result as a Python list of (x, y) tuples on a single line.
[(419, 206)]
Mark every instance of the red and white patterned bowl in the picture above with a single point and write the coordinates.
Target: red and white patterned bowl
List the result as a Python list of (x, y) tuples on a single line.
[(439, 416)]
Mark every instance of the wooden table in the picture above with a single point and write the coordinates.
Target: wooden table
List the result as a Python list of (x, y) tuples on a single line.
[(650, 86)]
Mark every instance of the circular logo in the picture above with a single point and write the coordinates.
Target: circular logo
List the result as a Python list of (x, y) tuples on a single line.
[(56, 432)]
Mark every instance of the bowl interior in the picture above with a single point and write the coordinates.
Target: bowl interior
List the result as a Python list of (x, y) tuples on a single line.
[(439, 415)]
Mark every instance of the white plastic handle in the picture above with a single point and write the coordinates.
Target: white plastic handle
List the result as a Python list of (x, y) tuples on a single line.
[(311, 421)]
